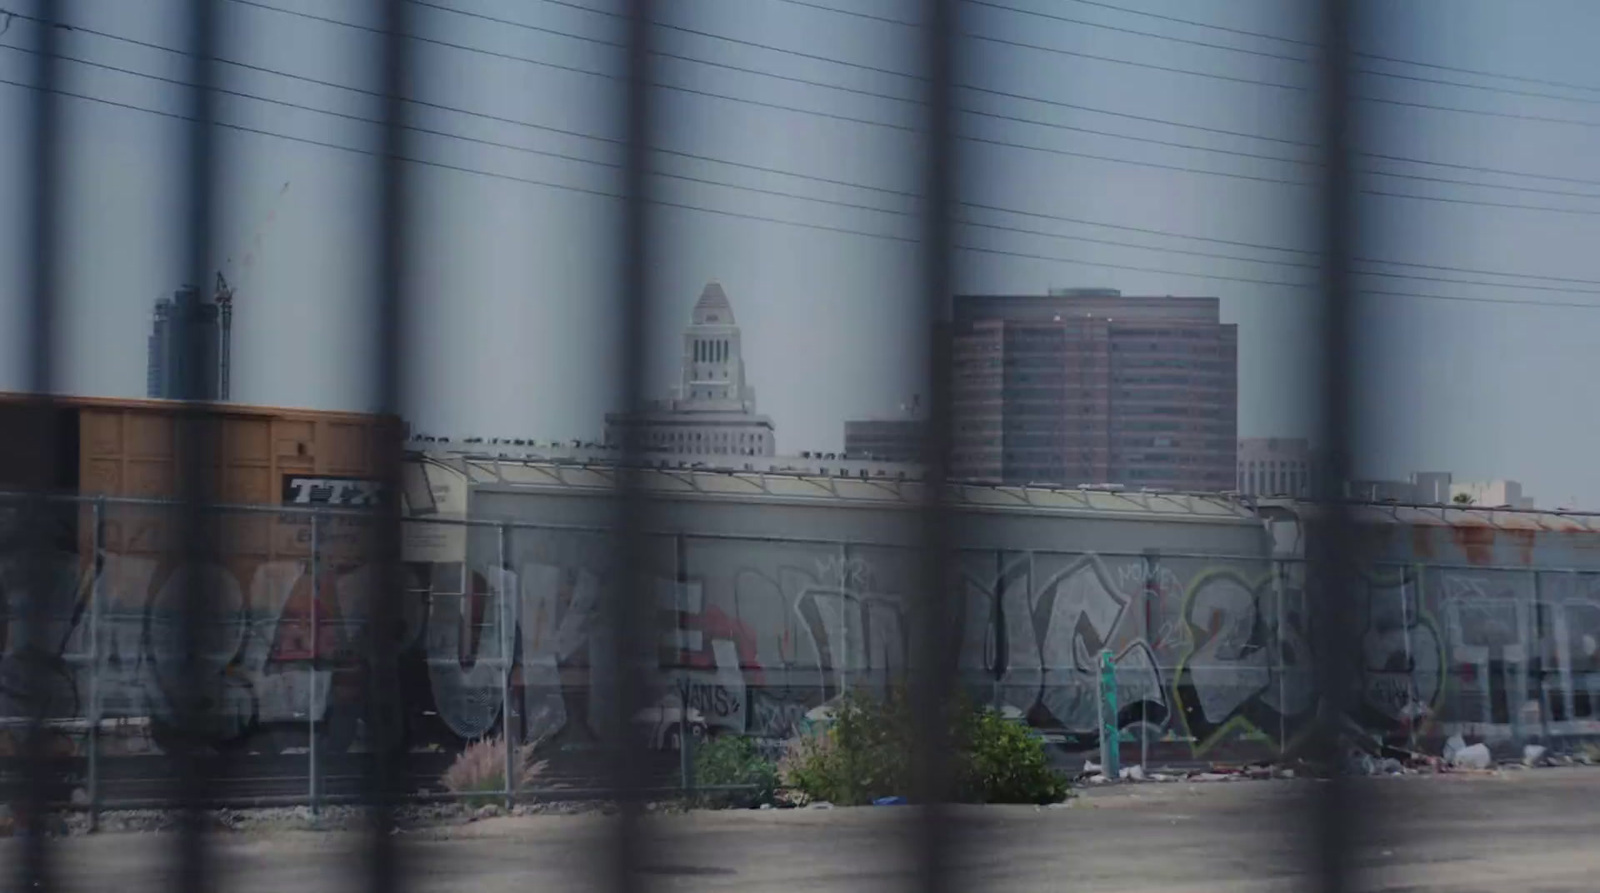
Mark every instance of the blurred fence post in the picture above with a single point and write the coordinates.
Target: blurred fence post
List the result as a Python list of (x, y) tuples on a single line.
[(96, 569), (506, 643), (311, 690)]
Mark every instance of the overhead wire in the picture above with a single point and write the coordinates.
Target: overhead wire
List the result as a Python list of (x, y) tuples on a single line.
[(1275, 84), (980, 249), (1306, 43), (788, 194), (851, 205), (1280, 56), (1026, 120)]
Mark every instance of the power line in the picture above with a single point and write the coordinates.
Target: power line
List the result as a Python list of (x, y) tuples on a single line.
[(1052, 125), (1185, 40), (1295, 87), (423, 103), (848, 12), (801, 224), (910, 128), (1315, 45), (1041, 100), (1281, 56), (480, 141)]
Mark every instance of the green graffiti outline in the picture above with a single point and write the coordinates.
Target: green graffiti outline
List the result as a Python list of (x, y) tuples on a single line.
[(1242, 725)]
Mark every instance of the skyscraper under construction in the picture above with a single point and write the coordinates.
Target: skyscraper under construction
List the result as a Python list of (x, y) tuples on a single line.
[(188, 331)]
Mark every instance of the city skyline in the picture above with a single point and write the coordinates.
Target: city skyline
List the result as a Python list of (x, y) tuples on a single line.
[(510, 280)]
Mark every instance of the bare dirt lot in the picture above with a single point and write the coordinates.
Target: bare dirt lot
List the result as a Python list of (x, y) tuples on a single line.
[(1518, 831)]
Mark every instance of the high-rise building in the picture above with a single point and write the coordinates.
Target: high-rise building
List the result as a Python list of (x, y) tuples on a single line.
[(186, 314), (1088, 386), (712, 411)]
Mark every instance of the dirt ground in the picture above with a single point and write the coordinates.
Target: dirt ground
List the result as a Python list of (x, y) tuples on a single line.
[(1532, 830)]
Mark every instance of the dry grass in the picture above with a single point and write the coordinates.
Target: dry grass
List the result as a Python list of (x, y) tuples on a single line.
[(480, 770)]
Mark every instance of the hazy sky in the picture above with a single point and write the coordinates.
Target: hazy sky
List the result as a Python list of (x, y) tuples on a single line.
[(513, 274)]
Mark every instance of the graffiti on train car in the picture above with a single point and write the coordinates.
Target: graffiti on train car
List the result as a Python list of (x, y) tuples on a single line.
[(760, 634)]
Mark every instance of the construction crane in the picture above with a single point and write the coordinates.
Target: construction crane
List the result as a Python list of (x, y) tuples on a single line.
[(222, 294)]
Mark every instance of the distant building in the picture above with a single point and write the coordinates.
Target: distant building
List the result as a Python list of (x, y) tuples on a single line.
[(1420, 488), (1275, 466), (899, 439), (167, 375), (712, 411), (1492, 494), (890, 440), (1088, 386)]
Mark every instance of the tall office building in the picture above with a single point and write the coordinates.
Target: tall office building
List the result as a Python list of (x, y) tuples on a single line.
[(712, 411), (209, 322), (1088, 386)]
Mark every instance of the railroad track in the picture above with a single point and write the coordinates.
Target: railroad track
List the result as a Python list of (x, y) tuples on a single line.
[(151, 781)]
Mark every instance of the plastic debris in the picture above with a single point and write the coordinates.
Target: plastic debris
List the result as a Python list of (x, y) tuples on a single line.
[(889, 801), (1533, 755), (1475, 757)]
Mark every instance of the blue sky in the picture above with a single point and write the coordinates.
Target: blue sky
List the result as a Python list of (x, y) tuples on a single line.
[(513, 283)]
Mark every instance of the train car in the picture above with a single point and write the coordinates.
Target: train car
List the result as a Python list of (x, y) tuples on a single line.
[(117, 473)]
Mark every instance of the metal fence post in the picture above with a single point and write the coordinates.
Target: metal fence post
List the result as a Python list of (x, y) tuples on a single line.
[(1277, 648), (680, 564), (96, 568), (505, 669), (685, 766), (311, 690), (1106, 704), (1411, 668), (1152, 592), (1538, 659)]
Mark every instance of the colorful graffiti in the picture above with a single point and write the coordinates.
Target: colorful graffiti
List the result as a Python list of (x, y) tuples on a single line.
[(758, 635)]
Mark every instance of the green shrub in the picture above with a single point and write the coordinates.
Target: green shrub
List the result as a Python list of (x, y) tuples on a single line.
[(728, 760), (866, 753), (1004, 761), (862, 754)]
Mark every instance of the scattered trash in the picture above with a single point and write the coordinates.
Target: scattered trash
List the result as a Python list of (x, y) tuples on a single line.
[(1475, 757), (765, 806), (1064, 804), (1210, 776), (1453, 745), (889, 801), (1089, 766), (820, 804), (1359, 763), (1533, 755), (1133, 773)]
